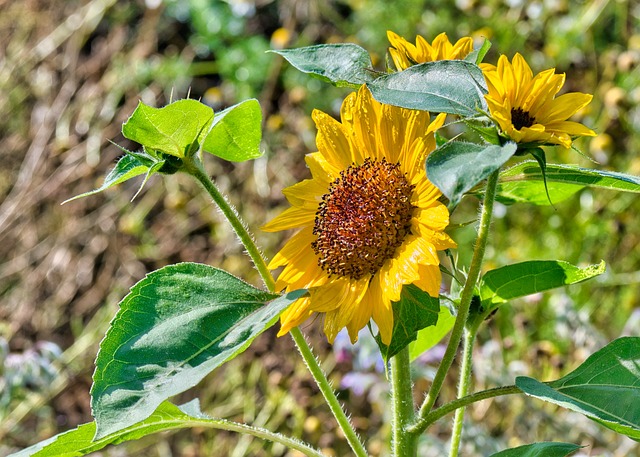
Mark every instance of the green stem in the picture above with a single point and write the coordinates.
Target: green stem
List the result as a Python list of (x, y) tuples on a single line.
[(195, 168), (422, 424), (466, 296), (463, 388), (327, 392), (403, 444), (258, 432)]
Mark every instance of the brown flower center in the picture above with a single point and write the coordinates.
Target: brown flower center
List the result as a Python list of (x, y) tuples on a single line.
[(363, 219), (521, 118)]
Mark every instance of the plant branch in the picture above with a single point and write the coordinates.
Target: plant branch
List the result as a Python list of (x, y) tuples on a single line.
[(466, 296), (423, 422), (259, 432), (463, 388)]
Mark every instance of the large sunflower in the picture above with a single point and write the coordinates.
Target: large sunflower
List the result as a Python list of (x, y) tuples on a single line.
[(526, 107), (369, 220), (406, 54)]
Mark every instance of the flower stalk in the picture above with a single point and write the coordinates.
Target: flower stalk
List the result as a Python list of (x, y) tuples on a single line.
[(466, 296), (195, 168)]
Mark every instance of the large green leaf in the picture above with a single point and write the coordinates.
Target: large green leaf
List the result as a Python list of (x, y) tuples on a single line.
[(79, 441), (415, 311), (524, 182), (127, 167), (547, 449), (446, 86), (175, 326), (343, 64), (236, 132), (526, 278), (176, 129), (605, 388), (430, 336), (456, 167)]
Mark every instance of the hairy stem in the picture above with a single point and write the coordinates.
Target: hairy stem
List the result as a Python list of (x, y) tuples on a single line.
[(423, 422), (403, 444), (463, 389), (262, 433), (465, 298), (328, 393), (195, 168)]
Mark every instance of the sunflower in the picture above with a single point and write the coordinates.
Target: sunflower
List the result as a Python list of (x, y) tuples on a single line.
[(369, 220), (526, 107), (405, 54)]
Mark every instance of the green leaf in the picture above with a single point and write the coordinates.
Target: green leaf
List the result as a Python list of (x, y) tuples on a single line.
[(541, 158), (127, 167), (343, 64), (236, 132), (79, 441), (176, 129), (432, 335), (458, 166), (446, 86), (546, 449), (415, 311), (477, 55), (525, 182), (605, 388), (526, 278), (175, 326)]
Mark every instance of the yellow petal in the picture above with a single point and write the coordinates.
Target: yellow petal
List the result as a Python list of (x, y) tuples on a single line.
[(429, 280), (332, 141), (382, 311), (563, 107), (306, 194), (298, 243), (338, 318), (294, 315), (290, 218)]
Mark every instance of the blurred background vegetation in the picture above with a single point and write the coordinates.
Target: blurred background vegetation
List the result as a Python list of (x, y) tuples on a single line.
[(72, 71)]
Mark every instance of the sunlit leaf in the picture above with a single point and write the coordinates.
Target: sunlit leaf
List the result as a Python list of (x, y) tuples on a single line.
[(605, 388), (547, 449), (477, 55), (176, 129), (457, 166), (415, 311), (526, 278), (343, 64), (175, 326), (79, 441), (432, 335), (236, 132), (446, 86), (524, 182), (127, 167)]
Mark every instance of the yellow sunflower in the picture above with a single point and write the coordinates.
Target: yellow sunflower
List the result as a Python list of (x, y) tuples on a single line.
[(369, 220), (405, 54), (526, 107)]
